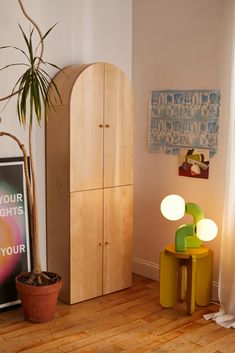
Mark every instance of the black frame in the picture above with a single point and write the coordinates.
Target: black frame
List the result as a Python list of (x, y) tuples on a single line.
[(15, 254)]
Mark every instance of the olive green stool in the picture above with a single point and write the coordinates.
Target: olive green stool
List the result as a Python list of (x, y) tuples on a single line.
[(186, 276)]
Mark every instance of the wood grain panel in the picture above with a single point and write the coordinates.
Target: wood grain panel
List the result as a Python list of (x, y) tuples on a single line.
[(130, 321), (118, 219), (119, 125), (65, 80), (57, 196), (89, 145), (86, 245), (86, 111)]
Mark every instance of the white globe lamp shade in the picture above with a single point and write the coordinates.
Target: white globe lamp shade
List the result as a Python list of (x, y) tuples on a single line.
[(206, 229), (173, 207)]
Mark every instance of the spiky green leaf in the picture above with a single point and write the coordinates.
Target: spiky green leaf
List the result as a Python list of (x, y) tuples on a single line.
[(35, 87), (44, 36)]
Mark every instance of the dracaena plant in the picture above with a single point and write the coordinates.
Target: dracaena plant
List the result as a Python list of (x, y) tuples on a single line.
[(33, 99)]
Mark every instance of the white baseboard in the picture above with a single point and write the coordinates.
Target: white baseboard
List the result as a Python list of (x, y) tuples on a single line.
[(215, 291), (145, 268), (151, 270)]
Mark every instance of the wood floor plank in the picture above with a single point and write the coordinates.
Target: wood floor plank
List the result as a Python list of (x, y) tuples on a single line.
[(130, 321)]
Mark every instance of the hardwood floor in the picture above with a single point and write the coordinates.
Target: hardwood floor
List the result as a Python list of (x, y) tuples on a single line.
[(127, 321)]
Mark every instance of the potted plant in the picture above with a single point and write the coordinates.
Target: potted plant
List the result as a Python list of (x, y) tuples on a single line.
[(33, 96)]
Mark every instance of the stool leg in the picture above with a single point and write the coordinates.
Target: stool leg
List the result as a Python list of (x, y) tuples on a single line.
[(168, 280), (191, 284), (204, 279), (182, 282)]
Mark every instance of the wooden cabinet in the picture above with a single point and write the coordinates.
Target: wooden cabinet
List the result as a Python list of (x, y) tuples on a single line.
[(89, 149)]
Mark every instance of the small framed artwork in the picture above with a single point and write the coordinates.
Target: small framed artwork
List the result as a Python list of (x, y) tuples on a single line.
[(14, 229), (194, 163)]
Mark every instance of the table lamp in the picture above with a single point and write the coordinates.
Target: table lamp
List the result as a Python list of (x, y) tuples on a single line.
[(173, 207)]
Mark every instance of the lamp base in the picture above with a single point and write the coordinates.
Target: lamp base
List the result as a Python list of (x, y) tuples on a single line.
[(185, 237)]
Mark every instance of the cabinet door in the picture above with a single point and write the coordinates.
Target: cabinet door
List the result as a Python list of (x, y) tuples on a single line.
[(86, 130), (118, 128), (117, 238), (86, 244)]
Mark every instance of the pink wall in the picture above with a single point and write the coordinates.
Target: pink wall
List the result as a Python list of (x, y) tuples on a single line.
[(177, 44)]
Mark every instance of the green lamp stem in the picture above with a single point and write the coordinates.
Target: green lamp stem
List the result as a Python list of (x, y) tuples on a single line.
[(194, 210), (185, 236)]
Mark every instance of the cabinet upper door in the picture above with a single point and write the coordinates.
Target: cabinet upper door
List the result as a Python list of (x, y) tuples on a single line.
[(86, 129), (118, 128)]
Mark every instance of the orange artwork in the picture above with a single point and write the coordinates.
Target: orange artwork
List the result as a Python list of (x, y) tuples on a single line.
[(194, 163)]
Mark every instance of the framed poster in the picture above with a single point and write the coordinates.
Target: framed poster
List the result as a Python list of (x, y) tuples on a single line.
[(14, 229)]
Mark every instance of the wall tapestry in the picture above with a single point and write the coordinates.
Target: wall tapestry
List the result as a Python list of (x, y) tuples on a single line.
[(184, 119), (194, 163), (14, 232)]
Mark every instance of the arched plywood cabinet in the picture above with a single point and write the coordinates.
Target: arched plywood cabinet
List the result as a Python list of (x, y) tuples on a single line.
[(89, 156)]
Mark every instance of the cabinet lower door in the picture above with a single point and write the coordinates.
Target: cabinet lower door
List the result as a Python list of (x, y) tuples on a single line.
[(86, 245), (118, 226)]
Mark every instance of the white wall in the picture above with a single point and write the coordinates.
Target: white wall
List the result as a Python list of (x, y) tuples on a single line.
[(87, 31), (177, 44)]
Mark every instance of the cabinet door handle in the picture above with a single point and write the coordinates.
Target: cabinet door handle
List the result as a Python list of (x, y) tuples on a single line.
[(100, 125), (100, 244), (106, 243), (107, 125)]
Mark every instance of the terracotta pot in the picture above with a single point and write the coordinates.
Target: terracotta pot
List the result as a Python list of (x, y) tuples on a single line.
[(38, 302)]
